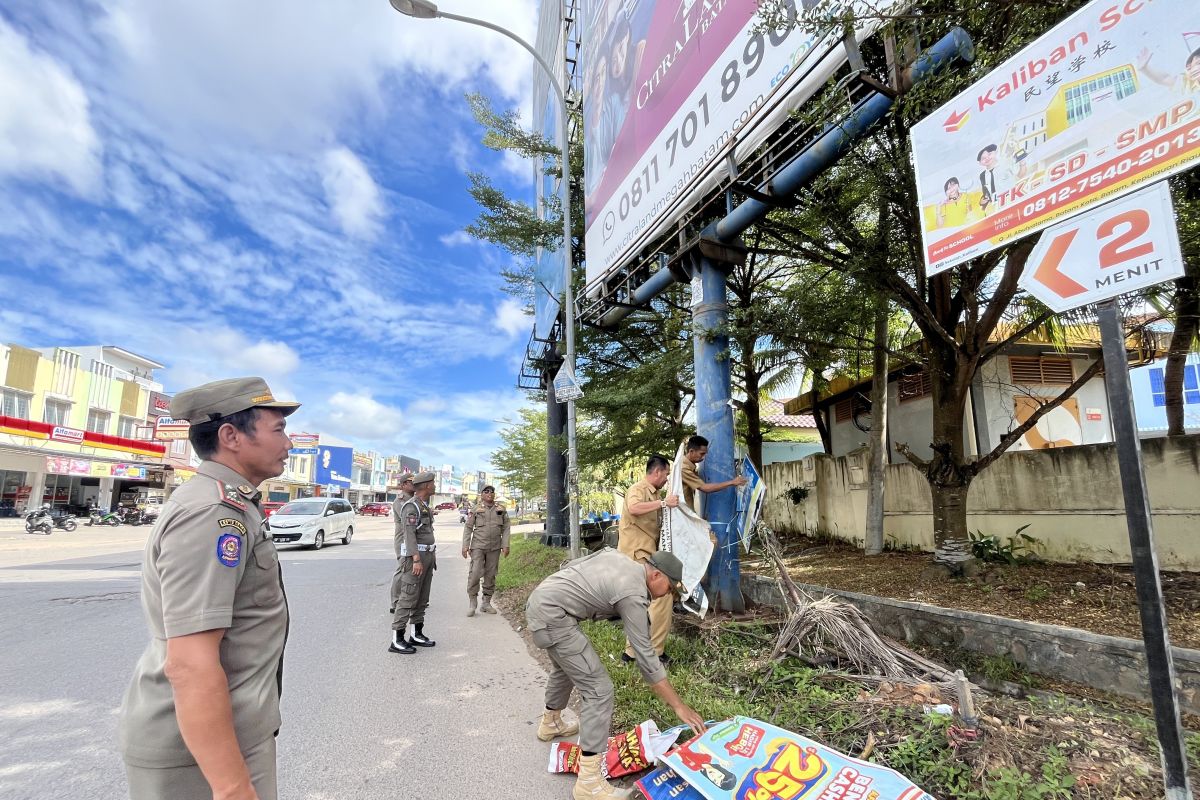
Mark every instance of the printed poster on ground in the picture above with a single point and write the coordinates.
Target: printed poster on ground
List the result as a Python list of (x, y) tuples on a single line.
[(1105, 102), (745, 759)]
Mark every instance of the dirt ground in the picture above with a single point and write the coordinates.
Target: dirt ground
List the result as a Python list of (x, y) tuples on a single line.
[(1093, 597)]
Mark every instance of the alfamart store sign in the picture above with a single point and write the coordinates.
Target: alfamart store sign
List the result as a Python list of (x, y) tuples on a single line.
[(1106, 102)]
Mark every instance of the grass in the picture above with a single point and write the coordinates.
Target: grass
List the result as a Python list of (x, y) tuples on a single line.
[(1035, 749), (527, 563)]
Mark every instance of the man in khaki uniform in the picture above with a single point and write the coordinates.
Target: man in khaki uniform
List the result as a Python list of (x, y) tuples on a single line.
[(604, 585), (200, 716), (637, 537), (418, 560), (693, 453), (485, 537), (406, 493)]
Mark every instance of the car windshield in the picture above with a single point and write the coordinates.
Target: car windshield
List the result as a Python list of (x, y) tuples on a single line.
[(301, 509)]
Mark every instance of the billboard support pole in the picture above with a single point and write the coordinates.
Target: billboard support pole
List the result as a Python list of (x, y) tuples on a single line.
[(556, 463), (426, 9), (1159, 662)]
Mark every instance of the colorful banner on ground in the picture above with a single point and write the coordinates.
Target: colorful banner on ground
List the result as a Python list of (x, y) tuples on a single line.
[(1106, 102), (671, 91), (744, 759)]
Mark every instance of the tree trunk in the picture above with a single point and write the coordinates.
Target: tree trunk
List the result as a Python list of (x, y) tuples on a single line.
[(950, 524), (819, 418), (1187, 320), (873, 538), (753, 412), (948, 474)]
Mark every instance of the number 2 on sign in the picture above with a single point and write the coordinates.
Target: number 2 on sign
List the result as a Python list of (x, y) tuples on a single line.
[(789, 774), (1115, 252)]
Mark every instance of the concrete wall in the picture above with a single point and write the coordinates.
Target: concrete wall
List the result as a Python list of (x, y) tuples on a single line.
[(1070, 498)]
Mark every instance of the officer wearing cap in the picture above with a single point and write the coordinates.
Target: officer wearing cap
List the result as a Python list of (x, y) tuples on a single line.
[(406, 493), (418, 560), (200, 716), (604, 585), (485, 537)]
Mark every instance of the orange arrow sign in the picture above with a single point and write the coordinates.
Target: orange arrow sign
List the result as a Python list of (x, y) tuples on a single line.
[(955, 121), (1047, 272)]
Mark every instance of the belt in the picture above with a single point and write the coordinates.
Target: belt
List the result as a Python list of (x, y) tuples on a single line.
[(426, 548)]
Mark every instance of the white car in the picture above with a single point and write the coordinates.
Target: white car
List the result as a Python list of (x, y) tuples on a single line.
[(312, 522)]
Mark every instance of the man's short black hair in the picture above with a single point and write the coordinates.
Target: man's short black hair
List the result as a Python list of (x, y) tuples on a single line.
[(204, 435), (657, 461), (991, 148), (1195, 54), (696, 442)]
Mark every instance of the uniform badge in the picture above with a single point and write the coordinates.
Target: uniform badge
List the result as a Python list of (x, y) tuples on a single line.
[(245, 489), (230, 497), (413, 519), (230, 522), (229, 549)]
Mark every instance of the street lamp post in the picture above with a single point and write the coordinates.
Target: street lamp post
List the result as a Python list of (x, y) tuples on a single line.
[(424, 9)]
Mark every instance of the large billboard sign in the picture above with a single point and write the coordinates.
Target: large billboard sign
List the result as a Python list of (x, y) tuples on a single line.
[(1104, 103), (333, 465), (671, 90)]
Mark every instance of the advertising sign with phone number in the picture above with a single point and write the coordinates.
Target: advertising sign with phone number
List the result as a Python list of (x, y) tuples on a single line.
[(669, 90), (1102, 104)]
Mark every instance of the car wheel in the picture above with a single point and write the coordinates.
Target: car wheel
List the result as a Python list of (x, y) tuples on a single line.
[(319, 542), (349, 533)]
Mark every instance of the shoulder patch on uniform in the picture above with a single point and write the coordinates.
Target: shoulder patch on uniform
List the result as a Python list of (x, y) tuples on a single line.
[(229, 549), (230, 522), (413, 519), (230, 497)]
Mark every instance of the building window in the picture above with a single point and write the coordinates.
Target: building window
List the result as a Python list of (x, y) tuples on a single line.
[(65, 365), (127, 427), (1035, 369), (912, 387), (98, 421), (14, 404), (847, 407), (56, 413), (1191, 386)]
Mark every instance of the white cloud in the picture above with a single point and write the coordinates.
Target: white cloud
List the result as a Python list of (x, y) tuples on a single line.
[(360, 416), (201, 355), (512, 319), (457, 239), (45, 128), (351, 193)]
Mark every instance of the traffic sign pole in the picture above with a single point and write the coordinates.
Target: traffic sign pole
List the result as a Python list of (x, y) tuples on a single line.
[(1145, 557)]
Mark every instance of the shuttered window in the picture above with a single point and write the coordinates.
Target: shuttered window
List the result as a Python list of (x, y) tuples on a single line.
[(22, 368), (1036, 369), (912, 387), (131, 396), (845, 409)]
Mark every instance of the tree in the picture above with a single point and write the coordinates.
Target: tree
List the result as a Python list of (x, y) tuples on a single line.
[(521, 458), (860, 219), (1185, 300)]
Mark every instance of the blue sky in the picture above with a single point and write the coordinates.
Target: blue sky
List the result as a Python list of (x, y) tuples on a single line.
[(273, 188)]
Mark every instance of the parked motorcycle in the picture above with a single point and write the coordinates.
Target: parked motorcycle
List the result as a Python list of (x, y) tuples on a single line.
[(96, 516), (39, 521), (64, 520)]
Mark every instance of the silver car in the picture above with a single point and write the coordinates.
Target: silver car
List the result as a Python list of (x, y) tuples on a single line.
[(312, 522)]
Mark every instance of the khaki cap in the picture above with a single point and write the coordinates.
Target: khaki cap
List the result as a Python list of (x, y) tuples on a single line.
[(219, 399), (406, 477), (668, 564), (423, 477)]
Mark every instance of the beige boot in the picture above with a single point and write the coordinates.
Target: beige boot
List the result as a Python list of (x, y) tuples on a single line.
[(471, 610), (591, 784), (486, 607), (553, 726)]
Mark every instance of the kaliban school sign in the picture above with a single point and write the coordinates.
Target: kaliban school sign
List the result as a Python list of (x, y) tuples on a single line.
[(1104, 103)]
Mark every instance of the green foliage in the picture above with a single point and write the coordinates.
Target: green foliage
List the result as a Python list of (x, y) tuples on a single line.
[(1019, 548), (797, 494), (521, 457), (1001, 668)]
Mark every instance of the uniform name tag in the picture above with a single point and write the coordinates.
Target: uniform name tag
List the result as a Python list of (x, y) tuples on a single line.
[(230, 522)]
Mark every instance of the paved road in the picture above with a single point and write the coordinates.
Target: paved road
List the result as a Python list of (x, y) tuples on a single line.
[(457, 720)]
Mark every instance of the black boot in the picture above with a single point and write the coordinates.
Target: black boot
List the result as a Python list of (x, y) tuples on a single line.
[(398, 644), (419, 639)]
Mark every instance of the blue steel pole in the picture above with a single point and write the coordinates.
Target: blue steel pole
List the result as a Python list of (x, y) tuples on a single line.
[(714, 421)]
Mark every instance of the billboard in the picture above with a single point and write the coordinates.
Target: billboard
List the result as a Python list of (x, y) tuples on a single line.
[(409, 464), (671, 90), (333, 465), (159, 405), (1105, 102)]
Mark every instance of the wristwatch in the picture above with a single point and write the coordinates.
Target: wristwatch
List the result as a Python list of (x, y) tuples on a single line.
[(662, 504)]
